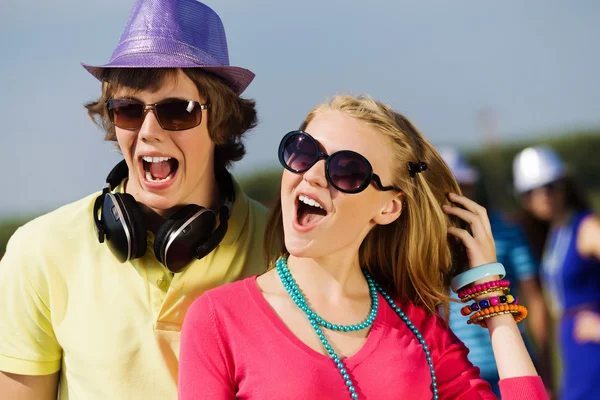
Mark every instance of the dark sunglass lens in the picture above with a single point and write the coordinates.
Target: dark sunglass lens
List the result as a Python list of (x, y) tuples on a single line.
[(299, 152), (348, 171), (126, 114), (179, 115)]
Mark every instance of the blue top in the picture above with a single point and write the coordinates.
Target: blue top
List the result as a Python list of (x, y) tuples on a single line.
[(570, 279), (514, 253)]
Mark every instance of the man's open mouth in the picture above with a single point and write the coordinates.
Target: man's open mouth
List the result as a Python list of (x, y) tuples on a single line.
[(159, 169)]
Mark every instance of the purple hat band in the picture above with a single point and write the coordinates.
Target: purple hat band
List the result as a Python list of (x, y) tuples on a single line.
[(175, 34)]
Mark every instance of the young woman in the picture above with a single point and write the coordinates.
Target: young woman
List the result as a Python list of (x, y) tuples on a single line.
[(570, 265), (349, 310)]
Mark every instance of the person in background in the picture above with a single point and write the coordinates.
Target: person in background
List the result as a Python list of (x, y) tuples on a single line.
[(369, 234), (94, 293), (514, 253), (570, 265)]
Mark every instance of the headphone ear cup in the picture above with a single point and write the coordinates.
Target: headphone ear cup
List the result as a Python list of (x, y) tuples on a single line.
[(162, 235), (135, 219), (123, 226), (177, 239)]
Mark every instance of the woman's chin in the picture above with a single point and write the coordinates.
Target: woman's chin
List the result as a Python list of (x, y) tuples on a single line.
[(297, 247), (303, 248)]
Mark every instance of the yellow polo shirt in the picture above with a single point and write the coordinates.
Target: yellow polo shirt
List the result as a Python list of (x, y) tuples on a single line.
[(112, 329)]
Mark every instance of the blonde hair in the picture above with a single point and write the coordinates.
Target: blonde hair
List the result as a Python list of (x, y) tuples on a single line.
[(413, 257)]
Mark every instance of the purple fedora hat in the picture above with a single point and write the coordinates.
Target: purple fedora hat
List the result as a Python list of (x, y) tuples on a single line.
[(175, 34)]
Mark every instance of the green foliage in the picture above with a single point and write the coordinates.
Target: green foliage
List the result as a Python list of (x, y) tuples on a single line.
[(7, 228), (262, 186)]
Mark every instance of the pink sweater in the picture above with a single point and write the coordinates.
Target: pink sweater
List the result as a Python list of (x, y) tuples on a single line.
[(234, 346)]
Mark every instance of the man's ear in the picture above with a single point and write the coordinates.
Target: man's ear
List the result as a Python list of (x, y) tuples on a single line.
[(391, 210)]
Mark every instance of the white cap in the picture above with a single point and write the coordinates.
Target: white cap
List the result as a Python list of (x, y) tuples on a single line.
[(536, 166), (463, 172)]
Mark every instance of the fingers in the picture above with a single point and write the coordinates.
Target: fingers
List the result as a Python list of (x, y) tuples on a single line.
[(479, 212), (477, 225), (481, 248), (478, 253), (467, 203), (463, 235)]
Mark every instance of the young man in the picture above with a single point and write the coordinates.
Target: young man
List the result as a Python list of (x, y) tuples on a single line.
[(93, 294)]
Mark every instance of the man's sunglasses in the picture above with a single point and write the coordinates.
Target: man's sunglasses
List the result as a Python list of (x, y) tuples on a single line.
[(345, 170), (172, 115)]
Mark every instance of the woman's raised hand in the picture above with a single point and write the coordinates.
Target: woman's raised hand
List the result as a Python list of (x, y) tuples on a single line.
[(480, 245)]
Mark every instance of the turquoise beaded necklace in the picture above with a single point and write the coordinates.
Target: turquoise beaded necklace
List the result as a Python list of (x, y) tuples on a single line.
[(317, 322)]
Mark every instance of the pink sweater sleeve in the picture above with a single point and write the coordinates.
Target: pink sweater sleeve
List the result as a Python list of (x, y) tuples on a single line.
[(523, 388), (457, 378), (204, 369)]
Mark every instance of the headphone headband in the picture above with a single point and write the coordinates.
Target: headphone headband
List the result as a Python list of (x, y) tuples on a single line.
[(116, 175)]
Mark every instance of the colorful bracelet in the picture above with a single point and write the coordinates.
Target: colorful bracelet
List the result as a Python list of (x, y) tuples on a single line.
[(492, 301), (475, 274), (505, 290), (519, 312), (519, 316), (484, 286)]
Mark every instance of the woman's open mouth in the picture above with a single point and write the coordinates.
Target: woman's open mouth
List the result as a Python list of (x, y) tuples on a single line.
[(308, 212)]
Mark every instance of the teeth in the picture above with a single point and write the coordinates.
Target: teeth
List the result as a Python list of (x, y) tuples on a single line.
[(155, 159), (310, 202), (150, 178)]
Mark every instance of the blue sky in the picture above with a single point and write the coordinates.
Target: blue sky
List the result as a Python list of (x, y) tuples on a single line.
[(534, 63)]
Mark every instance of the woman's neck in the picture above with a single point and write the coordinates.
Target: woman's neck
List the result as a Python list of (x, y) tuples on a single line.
[(335, 277)]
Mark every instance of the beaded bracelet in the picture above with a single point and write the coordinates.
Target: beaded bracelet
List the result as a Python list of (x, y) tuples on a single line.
[(493, 301), (519, 316), (494, 309), (520, 313), (484, 286), (505, 290)]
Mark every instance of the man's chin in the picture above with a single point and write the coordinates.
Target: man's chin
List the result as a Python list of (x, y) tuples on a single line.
[(159, 204)]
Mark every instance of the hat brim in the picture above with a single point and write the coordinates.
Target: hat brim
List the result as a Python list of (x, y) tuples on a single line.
[(236, 77)]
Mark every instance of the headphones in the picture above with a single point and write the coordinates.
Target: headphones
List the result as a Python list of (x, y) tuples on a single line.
[(188, 233)]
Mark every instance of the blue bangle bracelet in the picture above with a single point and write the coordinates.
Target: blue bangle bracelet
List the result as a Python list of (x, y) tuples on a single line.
[(475, 274)]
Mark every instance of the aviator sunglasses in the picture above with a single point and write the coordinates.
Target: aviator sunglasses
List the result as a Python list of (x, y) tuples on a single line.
[(172, 115), (345, 170)]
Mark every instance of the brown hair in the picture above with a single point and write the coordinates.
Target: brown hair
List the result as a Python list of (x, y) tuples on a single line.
[(229, 116), (412, 257), (536, 230)]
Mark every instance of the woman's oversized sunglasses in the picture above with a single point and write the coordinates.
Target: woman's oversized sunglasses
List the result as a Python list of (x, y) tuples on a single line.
[(345, 170), (172, 115)]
